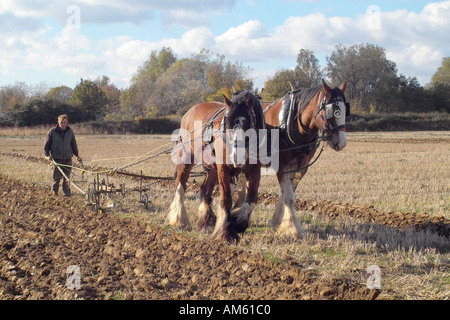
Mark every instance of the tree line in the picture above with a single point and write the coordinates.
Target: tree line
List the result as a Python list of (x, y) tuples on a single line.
[(165, 86), (373, 82)]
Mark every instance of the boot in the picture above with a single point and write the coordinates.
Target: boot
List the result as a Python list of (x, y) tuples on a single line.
[(66, 188), (55, 187)]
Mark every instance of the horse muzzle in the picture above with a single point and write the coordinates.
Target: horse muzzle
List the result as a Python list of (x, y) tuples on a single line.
[(239, 152), (341, 142)]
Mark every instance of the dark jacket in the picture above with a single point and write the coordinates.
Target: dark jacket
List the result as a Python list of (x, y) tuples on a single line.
[(61, 144)]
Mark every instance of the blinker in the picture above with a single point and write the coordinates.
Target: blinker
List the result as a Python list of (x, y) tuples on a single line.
[(337, 113), (329, 111), (332, 111)]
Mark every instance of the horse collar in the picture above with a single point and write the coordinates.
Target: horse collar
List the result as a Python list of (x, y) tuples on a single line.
[(287, 114), (224, 119)]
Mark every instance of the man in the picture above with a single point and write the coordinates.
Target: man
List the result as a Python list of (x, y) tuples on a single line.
[(60, 145)]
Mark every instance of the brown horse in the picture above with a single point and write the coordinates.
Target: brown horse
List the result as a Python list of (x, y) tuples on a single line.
[(300, 116), (213, 135)]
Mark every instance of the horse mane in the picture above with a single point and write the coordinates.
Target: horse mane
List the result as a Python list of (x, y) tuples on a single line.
[(303, 96), (240, 97)]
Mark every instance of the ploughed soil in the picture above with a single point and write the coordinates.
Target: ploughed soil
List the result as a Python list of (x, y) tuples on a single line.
[(42, 236)]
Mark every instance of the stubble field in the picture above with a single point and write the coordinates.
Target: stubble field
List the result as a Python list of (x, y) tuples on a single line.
[(381, 203)]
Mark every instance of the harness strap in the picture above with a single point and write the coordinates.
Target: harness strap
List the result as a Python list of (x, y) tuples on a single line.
[(300, 147), (327, 128), (207, 135)]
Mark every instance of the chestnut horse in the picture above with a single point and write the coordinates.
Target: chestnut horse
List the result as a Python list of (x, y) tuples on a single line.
[(300, 116), (303, 118), (212, 134)]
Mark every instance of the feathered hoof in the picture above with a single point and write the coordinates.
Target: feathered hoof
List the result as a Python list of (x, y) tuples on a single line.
[(290, 233), (177, 217), (227, 234), (239, 225), (206, 223), (240, 217)]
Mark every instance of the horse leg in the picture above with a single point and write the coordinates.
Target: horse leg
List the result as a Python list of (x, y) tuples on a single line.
[(224, 228), (177, 216), (295, 179), (242, 185), (241, 216), (206, 218), (279, 209), (284, 219)]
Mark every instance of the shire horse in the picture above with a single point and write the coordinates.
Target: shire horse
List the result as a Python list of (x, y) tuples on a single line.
[(212, 134), (303, 117), (300, 116)]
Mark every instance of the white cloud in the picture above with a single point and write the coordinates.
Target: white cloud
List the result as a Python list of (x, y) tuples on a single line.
[(415, 41), (123, 55), (194, 40), (186, 12), (69, 51), (244, 42), (416, 60)]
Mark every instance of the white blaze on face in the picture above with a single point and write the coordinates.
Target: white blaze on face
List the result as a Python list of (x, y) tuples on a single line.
[(238, 154)]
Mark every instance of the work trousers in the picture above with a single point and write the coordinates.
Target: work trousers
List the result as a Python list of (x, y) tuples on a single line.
[(57, 175)]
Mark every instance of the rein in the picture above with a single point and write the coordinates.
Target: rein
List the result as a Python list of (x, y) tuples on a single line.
[(308, 165), (315, 145)]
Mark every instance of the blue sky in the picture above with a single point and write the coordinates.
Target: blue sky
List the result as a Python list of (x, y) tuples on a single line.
[(59, 42)]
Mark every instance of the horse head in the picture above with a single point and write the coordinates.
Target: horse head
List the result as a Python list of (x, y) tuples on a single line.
[(244, 113), (332, 111)]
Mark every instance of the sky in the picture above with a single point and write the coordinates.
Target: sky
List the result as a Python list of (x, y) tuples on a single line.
[(58, 42)]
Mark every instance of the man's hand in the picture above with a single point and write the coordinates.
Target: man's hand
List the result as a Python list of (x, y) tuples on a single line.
[(80, 161), (49, 158)]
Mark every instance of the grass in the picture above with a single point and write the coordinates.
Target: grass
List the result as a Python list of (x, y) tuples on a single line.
[(405, 172)]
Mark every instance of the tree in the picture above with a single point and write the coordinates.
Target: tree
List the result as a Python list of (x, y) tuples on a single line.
[(224, 77), (61, 94), (203, 77), (442, 75), (112, 94), (412, 96), (12, 95), (306, 73), (279, 84), (308, 69), (155, 65), (128, 105), (439, 87), (89, 99), (137, 98), (371, 78), (164, 85)]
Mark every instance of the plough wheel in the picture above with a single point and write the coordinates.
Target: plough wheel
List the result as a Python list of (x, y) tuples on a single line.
[(144, 200)]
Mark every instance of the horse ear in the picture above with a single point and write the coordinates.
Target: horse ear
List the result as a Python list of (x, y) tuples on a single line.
[(343, 86), (227, 101), (325, 88)]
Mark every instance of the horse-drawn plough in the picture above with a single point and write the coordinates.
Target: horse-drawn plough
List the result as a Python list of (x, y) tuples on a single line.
[(99, 189)]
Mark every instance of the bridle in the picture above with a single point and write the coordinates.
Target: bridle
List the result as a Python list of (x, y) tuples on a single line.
[(329, 111), (237, 125)]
